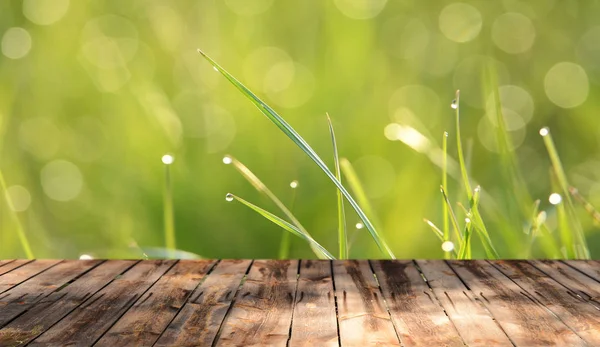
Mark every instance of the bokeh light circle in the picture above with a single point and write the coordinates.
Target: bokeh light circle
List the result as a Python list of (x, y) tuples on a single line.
[(61, 180), (360, 9), (19, 197), (45, 12), (513, 33), (566, 85), (289, 85), (460, 22), (16, 43)]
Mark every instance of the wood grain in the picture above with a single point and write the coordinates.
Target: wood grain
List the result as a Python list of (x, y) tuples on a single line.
[(23, 273), (574, 312), (262, 312), (362, 316), (578, 283), (17, 300), (314, 321), (54, 307), (523, 319), (88, 322), (419, 319), (474, 323), (588, 267), (147, 319), (200, 318), (10, 265)]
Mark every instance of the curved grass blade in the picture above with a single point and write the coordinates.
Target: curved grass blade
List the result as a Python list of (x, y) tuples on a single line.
[(359, 191), (20, 232), (479, 226), (284, 225), (342, 235), (452, 216), (263, 189), (461, 157), (465, 246), (581, 248), (306, 148)]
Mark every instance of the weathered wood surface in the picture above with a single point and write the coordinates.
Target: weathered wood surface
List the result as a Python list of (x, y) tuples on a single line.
[(299, 303)]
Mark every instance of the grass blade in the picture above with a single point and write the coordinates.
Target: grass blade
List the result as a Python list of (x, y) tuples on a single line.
[(262, 188), (284, 225), (479, 226), (306, 148), (581, 248), (168, 205), (452, 216), (359, 191), (461, 157), (446, 233), (435, 229), (342, 235), (591, 210), (20, 232)]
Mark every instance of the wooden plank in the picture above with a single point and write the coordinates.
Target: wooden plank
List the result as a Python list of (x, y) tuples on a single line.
[(262, 312), (578, 283), (199, 320), (23, 273), (5, 261), (148, 318), (525, 321), (7, 267), (17, 300), (418, 318), (577, 314), (58, 304), (88, 322), (473, 322), (362, 316), (314, 321), (588, 267)]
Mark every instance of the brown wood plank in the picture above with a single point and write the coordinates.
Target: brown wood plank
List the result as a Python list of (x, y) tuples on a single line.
[(588, 267), (199, 320), (143, 324), (526, 322), (579, 283), (418, 318), (314, 321), (577, 314), (474, 323), (87, 323), (17, 300), (262, 312), (362, 316), (7, 267), (23, 273), (5, 261), (58, 304)]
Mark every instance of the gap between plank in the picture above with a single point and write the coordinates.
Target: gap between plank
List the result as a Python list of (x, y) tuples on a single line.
[(294, 301), (387, 308), (335, 300)]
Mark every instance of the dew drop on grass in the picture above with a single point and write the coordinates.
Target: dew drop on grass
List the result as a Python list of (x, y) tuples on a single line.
[(359, 225), (294, 184), (215, 68), (85, 257), (227, 160), (448, 246), (467, 220), (454, 104), (445, 134), (544, 131), (168, 159), (229, 197), (555, 198)]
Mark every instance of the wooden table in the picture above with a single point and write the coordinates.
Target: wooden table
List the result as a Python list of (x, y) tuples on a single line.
[(300, 303)]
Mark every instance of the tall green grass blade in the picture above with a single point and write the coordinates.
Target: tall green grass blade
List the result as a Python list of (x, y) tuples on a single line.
[(591, 210), (461, 157), (342, 236), (566, 236), (286, 240), (446, 233), (452, 216), (284, 225), (359, 191), (306, 148), (581, 248), (262, 188), (20, 231), (170, 242), (464, 251)]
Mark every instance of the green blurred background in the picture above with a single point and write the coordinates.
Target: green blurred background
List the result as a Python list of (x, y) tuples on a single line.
[(93, 94)]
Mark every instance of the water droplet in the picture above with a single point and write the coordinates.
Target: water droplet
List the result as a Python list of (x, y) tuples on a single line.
[(168, 159), (555, 198), (445, 134), (85, 257), (467, 220), (448, 246), (229, 197), (227, 160), (359, 225), (454, 104), (294, 184), (477, 189), (544, 131), (215, 68)]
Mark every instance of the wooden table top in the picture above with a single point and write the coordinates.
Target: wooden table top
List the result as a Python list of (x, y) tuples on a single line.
[(299, 303)]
